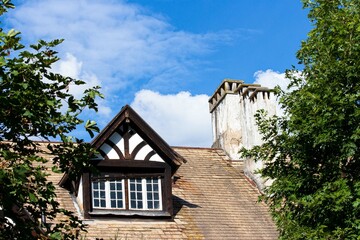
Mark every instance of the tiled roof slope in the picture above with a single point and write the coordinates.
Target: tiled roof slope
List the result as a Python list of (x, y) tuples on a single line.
[(218, 199), (212, 200)]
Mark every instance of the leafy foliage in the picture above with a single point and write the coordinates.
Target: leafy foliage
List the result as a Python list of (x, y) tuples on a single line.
[(312, 153), (36, 103)]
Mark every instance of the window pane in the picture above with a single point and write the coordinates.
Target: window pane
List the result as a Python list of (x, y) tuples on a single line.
[(149, 196), (133, 204), (113, 203), (96, 203), (132, 195), (103, 203), (120, 204), (112, 195), (150, 205), (119, 195), (156, 196), (102, 194), (112, 186), (139, 195), (156, 205)]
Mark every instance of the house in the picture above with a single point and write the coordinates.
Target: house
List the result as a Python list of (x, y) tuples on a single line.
[(145, 189)]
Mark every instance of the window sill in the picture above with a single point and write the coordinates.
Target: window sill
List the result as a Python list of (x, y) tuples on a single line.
[(129, 213)]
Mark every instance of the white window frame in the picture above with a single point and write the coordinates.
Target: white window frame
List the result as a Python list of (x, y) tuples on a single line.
[(144, 195), (107, 194)]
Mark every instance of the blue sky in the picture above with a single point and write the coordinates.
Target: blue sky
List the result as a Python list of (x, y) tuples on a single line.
[(166, 57)]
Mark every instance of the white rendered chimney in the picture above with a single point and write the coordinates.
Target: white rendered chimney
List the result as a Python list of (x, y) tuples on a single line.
[(232, 109)]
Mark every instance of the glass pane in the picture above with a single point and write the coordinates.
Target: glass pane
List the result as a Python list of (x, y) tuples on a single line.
[(112, 195), (119, 186), (96, 203), (102, 194), (132, 195), (102, 185), (156, 205), (149, 196), (96, 194), (150, 205), (140, 205), (156, 187), (119, 195), (120, 204), (133, 204), (103, 204), (132, 186), (148, 187), (139, 195), (112, 186), (113, 203), (156, 196), (148, 180), (138, 187), (95, 185)]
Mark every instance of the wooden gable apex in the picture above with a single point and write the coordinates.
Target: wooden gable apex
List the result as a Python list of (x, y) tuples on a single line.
[(129, 137)]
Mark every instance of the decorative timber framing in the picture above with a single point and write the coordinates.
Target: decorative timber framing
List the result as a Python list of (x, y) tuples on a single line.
[(129, 149)]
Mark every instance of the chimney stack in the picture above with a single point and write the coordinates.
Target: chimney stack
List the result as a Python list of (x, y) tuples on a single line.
[(232, 109)]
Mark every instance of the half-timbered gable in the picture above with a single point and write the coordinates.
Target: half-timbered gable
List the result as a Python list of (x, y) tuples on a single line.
[(134, 170)]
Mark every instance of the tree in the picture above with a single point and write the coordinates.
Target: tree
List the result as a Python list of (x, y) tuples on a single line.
[(312, 153), (35, 103)]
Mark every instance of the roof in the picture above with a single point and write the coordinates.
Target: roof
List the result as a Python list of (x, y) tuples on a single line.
[(212, 200)]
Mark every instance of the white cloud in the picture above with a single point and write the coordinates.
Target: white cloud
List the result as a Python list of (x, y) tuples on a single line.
[(124, 48), (118, 42), (270, 79), (180, 119)]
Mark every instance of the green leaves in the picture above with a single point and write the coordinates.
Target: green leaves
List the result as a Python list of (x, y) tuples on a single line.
[(313, 153), (35, 103), (91, 127)]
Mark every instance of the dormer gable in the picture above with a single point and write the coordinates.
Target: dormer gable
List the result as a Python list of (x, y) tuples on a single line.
[(129, 137), (134, 169)]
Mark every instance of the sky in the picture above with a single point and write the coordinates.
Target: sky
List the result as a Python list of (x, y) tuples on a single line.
[(165, 58)]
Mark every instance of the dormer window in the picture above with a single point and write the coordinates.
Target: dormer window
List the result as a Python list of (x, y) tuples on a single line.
[(142, 194), (134, 169)]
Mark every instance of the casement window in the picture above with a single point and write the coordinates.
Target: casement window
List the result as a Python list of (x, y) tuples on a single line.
[(143, 194), (108, 194)]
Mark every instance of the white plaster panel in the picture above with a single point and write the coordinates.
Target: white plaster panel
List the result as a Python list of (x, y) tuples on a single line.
[(109, 151), (143, 152), (79, 198), (134, 141), (156, 158), (118, 141)]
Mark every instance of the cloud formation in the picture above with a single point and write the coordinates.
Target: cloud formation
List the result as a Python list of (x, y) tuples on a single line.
[(120, 43), (180, 119), (270, 79)]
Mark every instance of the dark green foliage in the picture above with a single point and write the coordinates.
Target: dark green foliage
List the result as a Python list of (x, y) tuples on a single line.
[(35, 103), (313, 152)]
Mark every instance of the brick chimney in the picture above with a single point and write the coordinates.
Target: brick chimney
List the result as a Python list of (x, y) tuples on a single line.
[(232, 109)]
